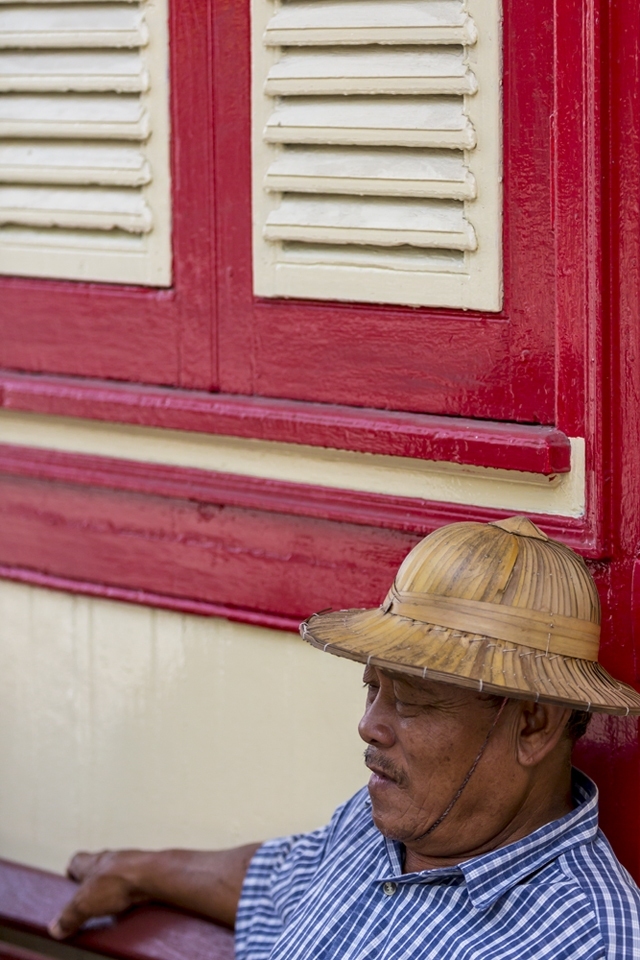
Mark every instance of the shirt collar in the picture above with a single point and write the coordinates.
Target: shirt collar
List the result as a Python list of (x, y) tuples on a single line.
[(489, 876)]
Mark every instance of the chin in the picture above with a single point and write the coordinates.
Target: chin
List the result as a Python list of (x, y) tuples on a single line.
[(384, 811), (393, 812), (389, 826)]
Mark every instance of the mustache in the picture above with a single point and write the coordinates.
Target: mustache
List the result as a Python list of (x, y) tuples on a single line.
[(374, 758)]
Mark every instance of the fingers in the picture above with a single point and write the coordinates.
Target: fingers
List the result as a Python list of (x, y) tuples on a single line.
[(82, 864), (77, 911), (105, 889)]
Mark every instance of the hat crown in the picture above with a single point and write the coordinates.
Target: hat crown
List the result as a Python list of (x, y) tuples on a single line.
[(510, 562)]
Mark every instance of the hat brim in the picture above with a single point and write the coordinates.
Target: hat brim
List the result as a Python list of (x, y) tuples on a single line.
[(468, 660)]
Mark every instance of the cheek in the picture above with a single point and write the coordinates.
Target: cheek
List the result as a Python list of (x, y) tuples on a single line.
[(425, 748), (432, 755)]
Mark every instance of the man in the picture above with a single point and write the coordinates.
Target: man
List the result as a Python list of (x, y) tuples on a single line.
[(475, 839)]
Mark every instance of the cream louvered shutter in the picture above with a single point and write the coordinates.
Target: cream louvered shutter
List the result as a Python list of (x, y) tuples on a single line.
[(376, 151), (84, 140)]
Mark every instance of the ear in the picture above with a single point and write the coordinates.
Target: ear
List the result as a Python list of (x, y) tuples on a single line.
[(541, 726)]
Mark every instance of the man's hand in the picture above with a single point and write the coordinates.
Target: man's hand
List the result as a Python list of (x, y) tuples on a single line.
[(208, 883), (109, 883)]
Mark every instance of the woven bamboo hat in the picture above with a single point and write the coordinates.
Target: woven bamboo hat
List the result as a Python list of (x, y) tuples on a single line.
[(498, 607)]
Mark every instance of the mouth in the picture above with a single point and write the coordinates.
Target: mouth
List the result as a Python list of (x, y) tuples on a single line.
[(382, 771), (379, 774)]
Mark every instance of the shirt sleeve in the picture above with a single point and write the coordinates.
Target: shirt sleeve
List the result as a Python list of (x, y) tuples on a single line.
[(614, 896), (278, 877)]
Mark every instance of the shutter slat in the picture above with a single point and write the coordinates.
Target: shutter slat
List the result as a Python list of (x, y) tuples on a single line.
[(79, 117), (413, 259), (361, 71), (355, 220), (332, 22), (108, 164), (433, 122), (91, 209), (82, 26), (374, 172), (119, 71)]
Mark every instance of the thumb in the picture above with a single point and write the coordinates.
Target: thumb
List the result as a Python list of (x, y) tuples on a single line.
[(70, 920)]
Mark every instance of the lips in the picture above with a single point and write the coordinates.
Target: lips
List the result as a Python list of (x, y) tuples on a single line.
[(384, 770), (379, 772)]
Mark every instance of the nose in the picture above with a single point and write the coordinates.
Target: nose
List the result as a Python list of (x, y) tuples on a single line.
[(375, 727)]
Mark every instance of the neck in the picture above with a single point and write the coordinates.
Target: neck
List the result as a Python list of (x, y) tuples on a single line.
[(546, 798)]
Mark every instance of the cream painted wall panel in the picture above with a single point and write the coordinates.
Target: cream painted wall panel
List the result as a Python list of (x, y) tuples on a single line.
[(124, 725)]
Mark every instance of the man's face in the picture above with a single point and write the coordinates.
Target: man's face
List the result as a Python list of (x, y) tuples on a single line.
[(423, 737)]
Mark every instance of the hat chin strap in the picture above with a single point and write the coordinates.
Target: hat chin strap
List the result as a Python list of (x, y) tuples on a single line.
[(470, 773)]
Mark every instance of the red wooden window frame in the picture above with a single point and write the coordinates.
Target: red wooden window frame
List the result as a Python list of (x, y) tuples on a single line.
[(208, 332), (538, 361)]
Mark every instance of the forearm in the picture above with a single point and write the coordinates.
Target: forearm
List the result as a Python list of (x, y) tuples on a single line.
[(208, 882)]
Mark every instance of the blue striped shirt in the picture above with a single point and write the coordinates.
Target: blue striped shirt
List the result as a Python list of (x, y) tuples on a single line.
[(339, 892)]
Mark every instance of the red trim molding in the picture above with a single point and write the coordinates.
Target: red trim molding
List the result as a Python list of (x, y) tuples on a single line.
[(146, 598), (257, 551), (405, 514), (510, 446)]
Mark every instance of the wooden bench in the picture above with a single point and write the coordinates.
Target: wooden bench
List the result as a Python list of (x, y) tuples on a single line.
[(29, 899)]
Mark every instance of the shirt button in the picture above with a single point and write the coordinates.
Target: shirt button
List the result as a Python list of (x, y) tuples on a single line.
[(389, 888)]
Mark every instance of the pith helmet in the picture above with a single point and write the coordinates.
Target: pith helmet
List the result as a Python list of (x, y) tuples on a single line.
[(498, 607)]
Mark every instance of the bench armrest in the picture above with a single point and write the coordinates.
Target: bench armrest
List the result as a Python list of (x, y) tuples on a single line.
[(30, 899)]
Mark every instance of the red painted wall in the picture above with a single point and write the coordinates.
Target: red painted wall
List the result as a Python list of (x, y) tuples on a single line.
[(612, 752)]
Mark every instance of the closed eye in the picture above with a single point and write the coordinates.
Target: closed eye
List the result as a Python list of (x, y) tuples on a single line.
[(372, 691)]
